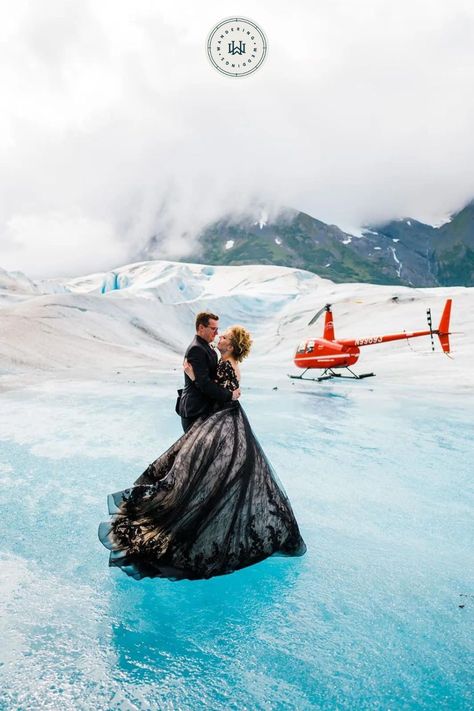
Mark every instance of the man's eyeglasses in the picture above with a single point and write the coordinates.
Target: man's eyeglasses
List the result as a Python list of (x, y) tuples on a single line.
[(212, 328)]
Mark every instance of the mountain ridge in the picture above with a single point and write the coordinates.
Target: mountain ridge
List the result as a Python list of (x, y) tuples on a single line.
[(403, 251)]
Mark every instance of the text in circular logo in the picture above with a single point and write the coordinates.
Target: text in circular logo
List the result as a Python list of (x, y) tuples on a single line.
[(237, 47)]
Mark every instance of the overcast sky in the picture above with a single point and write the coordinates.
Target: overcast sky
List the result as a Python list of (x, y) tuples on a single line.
[(114, 125)]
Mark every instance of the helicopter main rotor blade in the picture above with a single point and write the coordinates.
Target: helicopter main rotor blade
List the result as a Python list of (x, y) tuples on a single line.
[(317, 315)]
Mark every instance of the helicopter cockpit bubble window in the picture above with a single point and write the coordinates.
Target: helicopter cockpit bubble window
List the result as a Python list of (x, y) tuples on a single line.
[(301, 348), (309, 346)]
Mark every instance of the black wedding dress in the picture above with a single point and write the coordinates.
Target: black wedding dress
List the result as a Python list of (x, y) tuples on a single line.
[(209, 505)]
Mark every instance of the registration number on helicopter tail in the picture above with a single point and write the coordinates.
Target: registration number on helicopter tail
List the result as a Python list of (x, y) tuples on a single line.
[(367, 341)]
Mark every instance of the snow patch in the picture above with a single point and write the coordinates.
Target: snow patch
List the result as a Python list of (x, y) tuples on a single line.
[(277, 240), (229, 244), (397, 260), (347, 241), (395, 240)]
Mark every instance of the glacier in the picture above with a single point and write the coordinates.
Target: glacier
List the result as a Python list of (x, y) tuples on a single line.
[(377, 615)]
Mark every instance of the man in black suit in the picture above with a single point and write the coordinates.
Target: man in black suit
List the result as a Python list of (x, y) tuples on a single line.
[(199, 395)]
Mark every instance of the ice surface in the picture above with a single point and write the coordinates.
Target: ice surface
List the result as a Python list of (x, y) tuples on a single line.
[(370, 618), (379, 473)]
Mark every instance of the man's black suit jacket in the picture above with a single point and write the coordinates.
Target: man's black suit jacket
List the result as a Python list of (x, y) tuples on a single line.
[(199, 395)]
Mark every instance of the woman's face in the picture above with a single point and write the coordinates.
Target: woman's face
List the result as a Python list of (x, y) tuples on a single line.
[(224, 343)]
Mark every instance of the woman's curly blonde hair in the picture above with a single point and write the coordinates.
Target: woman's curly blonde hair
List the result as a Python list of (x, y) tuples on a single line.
[(241, 341)]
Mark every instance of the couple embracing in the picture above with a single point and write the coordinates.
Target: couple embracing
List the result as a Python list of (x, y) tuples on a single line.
[(211, 504)]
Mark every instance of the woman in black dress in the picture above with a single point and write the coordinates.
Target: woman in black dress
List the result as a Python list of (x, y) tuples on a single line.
[(209, 505)]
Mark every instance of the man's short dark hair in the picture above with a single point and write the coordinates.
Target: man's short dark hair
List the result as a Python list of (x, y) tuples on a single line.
[(203, 318)]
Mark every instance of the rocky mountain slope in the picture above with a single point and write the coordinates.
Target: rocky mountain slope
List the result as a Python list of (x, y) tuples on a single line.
[(401, 252)]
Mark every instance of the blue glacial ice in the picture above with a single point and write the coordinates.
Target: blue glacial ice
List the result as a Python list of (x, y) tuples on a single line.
[(377, 615), (113, 282)]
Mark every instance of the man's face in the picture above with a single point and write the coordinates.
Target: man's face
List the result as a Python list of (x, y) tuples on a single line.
[(209, 332)]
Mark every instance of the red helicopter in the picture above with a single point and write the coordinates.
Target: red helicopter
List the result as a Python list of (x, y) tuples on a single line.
[(328, 353)]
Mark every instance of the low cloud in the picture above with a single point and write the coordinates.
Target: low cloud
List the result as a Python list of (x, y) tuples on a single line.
[(115, 126)]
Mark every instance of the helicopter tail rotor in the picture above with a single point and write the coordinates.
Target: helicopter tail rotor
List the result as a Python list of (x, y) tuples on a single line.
[(430, 326)]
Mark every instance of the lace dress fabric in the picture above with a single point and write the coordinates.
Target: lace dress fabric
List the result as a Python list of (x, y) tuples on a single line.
[(226, 376), (210, 505)]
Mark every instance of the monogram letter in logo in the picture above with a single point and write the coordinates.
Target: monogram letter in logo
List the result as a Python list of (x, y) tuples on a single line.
[(236, 50)]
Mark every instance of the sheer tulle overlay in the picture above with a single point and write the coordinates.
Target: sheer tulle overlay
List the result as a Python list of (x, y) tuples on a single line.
[(209, 505)]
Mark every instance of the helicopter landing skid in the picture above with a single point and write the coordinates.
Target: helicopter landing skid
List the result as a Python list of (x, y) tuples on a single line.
[(329, 373)]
